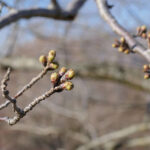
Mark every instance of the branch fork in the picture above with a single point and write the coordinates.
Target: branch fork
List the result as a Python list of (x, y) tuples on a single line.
[(60, 81)]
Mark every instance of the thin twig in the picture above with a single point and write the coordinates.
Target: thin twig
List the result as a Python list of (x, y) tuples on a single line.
[(15, 119), (32, 82), (68, 14), (25, 88), (4, 83)]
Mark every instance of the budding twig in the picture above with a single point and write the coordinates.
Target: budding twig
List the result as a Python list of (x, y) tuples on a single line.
[(59, 81), (122, 46)]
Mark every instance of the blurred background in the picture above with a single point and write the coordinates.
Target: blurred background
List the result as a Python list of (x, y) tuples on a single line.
[(109, 94)]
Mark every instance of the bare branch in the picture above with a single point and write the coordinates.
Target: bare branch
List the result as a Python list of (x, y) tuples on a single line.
[(75, 5), (50, 130), (59, 82), (2, 3), (69, 14), (25, 88), (4, 82), (137, 142), (101, 141), (55, 4), (116, 27), (128, 143), (15, 119)]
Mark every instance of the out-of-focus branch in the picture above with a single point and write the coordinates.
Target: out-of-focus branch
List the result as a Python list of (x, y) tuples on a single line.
[(128, 143), (116, 27), (131, 77), (65, 112), (51, 131), (2, 3), (26, 87), (55, 4), (69, 14), (11, 40), (75, 5), (117, 135), (137, 142)]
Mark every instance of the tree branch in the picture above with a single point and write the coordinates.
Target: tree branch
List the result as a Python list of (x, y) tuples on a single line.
[(32, 129), (101, 141), (55, 4), (116, 27), (69, 14), (59, 82)]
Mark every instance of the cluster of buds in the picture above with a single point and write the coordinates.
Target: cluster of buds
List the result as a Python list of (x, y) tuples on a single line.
[(146, 69), (122, 46), (142, 31), (49, 60), (62, 77)]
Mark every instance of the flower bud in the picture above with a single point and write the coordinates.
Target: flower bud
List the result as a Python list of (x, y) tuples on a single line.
[(143, 28), (52, 52), (114, 45), (67, 85), (145, 68), (121, 49), (122, 40), (53, 66), (127, 51), (43, 60), (54, 77), (51, 55), (70, 74), (146, 76), (62, 71), (50, 58)]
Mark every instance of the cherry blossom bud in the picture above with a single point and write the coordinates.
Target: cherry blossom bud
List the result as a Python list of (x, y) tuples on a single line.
[(54, 77), (43, 60), (67, 85)]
